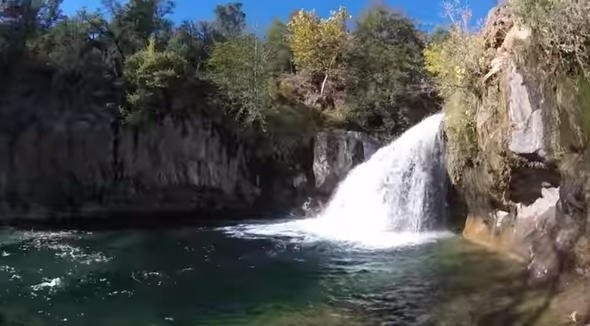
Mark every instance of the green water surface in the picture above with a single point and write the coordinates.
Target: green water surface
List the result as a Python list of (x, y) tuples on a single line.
[(201, 276)]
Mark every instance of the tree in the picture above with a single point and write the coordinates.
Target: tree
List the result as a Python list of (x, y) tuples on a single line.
[(230, 20), (387, 89), (438, 35), (68, 41), (134, 23), (238, 67), (459, 60), (318, 44), (280, 60), (22, 21), (29, 15), (194, 42), (152, 76), (49, 14)]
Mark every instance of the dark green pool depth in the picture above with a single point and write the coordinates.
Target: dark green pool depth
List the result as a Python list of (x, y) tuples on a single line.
[(201, 276)]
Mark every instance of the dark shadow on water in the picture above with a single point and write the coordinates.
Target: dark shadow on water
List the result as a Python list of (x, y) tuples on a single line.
[(510, 314), (501, 294), (132, 221)]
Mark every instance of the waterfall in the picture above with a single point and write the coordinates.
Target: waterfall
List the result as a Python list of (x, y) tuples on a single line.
[(400, 188), (390, 200)]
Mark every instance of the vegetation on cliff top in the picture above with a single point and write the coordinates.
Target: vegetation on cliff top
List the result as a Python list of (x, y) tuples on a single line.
[(308, 67), (458, 62)]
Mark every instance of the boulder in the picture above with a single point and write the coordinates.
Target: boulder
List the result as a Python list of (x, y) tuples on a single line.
[(518, 231), (336, 153)]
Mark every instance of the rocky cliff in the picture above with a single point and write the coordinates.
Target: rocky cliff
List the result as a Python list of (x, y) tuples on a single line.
[(517, 148), (525, 180), (64, 156), (79, 164), (67, 156)]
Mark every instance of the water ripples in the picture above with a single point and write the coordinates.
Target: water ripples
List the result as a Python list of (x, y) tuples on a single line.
[(193, 277)]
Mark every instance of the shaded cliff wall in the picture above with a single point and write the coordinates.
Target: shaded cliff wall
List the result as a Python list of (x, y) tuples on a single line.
[(66, 154)]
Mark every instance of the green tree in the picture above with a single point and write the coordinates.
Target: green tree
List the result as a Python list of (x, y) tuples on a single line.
[(22, 22), (194, 42), (318, 44), (230, 20), (386, 83), (134, 23), (281, 58), (68, 41), (238, 67), (152, 77)]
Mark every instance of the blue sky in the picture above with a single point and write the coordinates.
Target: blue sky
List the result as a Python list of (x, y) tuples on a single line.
[(427, 13)]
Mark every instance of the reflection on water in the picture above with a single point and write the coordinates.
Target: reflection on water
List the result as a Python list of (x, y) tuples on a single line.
[(203, 276)]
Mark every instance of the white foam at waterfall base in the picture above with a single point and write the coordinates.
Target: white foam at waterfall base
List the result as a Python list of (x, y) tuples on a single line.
[(396, 198)]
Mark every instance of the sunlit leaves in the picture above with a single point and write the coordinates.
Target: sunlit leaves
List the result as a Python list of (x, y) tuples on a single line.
[(318, 44), (238, 67), (151, 75)]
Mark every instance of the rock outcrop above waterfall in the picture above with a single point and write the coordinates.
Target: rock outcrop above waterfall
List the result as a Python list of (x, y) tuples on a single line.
[(336, 153)]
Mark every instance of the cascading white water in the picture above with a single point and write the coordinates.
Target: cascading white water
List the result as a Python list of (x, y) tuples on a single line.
[(389, 200), (400, 188)]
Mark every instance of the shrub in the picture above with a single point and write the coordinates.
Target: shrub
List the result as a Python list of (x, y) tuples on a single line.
[(561, 31), (476, 123), (460, 127), (458, 63), (152, 77), (238, 67)]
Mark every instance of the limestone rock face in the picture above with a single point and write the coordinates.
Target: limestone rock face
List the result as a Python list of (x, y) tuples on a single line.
[(527, 131), (519, 230), (540, 214), (336, 153)]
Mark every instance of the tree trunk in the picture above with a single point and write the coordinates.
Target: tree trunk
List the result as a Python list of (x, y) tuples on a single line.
[(324, 84)]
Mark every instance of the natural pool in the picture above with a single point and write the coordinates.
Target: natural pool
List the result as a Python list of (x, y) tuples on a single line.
[(219, 276)]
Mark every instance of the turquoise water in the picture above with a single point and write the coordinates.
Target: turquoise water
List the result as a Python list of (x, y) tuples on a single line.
[(205, 276)]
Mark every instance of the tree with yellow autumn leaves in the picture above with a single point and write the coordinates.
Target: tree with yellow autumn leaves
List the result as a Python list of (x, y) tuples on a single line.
[(318, 44)]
